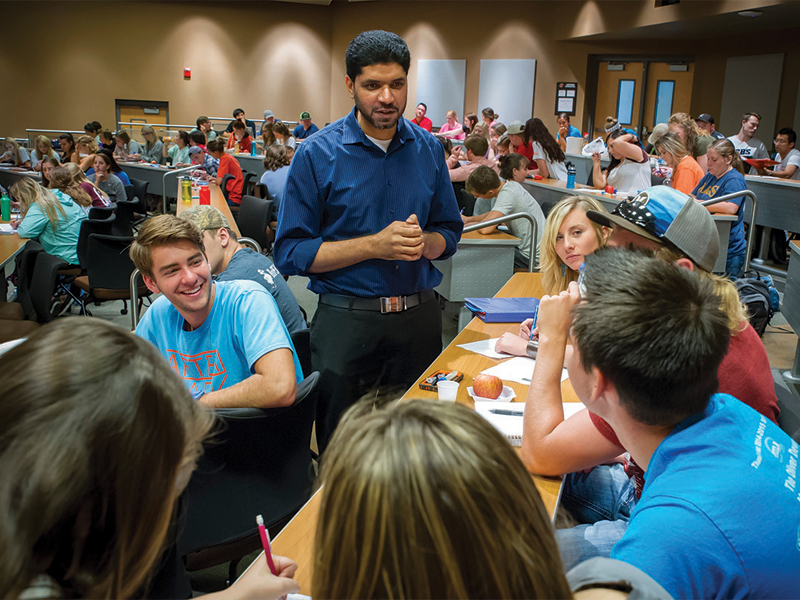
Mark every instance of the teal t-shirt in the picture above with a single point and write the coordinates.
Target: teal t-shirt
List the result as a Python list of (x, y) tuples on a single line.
[(244, 324), (62, 239)]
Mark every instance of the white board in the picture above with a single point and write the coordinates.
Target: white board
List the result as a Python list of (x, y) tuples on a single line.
[(441, 85), (507, 87)]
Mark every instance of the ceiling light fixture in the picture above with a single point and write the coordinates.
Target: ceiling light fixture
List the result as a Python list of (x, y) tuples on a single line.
[(750, 13)]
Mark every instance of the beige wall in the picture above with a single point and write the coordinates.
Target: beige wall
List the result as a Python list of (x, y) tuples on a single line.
[(290, 57)]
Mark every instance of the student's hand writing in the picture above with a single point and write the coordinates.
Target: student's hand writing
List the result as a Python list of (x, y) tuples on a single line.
[(555, 313), (400, 240), (258, 582), (525, 330), (511, 344)]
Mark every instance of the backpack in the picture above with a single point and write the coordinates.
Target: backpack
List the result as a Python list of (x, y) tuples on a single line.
[(760, 297)]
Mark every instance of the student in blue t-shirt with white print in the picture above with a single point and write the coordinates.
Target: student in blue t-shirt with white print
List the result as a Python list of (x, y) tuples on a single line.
[(725, 176), (227, 339)]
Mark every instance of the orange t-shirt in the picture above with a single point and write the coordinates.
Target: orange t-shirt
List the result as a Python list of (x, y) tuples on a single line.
[(686, 175), (228, 164)]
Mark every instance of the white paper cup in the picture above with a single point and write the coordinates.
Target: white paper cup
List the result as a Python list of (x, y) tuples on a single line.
[(448, 390)]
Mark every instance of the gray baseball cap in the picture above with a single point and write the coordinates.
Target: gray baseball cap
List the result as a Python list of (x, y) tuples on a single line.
[(662, 214), (515, 128)]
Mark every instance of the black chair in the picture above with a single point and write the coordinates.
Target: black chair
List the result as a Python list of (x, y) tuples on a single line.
[(261, 190), (253, 220), (26, 261), (789, 405), (249, 183), (108, 272), (224, 185), (102, 212), (259, 462), (125, 217), (138, 195), (88, 227), (43, 285), (301, 340), (466, 202)]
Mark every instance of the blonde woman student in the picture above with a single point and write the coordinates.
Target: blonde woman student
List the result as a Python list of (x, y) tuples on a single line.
[(14, 155), (87, 148), (569, 237), (151, 151), (686, 173), (55, 221), (43, 149), (75, 176), (452, 128)]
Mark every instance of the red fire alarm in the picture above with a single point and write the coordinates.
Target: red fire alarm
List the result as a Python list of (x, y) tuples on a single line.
[(187, 73)]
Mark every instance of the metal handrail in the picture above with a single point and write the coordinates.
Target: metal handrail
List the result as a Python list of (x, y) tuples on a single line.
[(751, 232), (81, 132), (160, 125), (134, 299), (504, 219), (164, 183)]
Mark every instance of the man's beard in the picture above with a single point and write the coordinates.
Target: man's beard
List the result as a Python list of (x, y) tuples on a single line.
[(389, 124)]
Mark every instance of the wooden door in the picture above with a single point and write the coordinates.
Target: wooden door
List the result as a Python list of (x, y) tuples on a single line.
[(608, 95), (681, 90), (133, 111)]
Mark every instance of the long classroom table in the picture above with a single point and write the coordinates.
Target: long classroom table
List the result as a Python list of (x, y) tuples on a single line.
[(10, 175), (296, 540), (217, 201)]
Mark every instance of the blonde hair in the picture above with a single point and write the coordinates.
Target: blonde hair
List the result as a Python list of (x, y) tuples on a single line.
[(154, 138), (159, 231), (452, 113), (88, 142), (481, 129), (672, 144), (61, 179), (732, 306), (45, 141), (27, 192), (13, 142), (726, 149), (77, 501), (556, 276), (426, 499), (79, 177), (690, 131)]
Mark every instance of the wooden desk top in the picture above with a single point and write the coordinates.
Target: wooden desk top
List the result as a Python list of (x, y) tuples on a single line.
[(297, 538), (10, 246), (217, 201), (496, 237)]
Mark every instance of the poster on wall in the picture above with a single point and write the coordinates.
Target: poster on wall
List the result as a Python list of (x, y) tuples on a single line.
[(566, 95)]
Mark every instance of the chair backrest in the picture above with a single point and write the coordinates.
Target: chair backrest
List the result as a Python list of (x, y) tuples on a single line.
[(43, 284), (139, 195), (224, 185), (259, 462), (263, 190), (254, 216), (301, 340), (466, 202), (109, 266), (26, 261), (123, 224), (128, 192), (100, 213), (88, 227), (249, 179), (789, 405)]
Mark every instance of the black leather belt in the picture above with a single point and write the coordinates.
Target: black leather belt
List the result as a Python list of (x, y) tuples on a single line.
[(389, 304)]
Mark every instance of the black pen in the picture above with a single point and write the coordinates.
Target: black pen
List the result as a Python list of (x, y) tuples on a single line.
[(509, 413)]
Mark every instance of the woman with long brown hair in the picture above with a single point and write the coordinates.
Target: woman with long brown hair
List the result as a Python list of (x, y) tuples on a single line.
[(547, 155)]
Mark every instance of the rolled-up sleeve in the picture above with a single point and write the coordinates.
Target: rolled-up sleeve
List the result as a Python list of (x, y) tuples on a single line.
[(445, 218), (299, 237)]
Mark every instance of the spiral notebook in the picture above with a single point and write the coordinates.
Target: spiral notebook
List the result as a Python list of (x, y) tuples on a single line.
[(511, 425)]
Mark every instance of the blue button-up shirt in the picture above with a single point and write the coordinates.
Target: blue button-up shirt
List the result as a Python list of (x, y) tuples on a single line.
[(342, 186)]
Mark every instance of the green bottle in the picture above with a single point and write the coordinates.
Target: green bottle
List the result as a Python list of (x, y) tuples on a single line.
[(5, 207)]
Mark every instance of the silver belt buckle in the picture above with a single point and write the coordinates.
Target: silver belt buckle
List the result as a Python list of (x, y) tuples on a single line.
[(393, 304)]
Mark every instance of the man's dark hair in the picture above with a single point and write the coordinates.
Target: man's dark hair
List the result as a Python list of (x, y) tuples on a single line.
[(790, 134), (655, 330), (198, 137), (482, 181), (237, 112), (376, 47), (478, 144), (422, 104), (201, 121)]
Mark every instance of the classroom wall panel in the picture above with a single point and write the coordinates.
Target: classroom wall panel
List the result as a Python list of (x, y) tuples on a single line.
[(507, 86), (440, 85)]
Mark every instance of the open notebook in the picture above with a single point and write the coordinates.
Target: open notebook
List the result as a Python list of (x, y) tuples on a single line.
[(511, 425)]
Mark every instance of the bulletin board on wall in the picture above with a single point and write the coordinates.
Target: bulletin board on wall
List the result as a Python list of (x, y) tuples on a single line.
[(441, 86), (566, 97), (507, 86)]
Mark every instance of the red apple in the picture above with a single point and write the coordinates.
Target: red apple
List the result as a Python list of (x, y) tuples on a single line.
[(487, 386), (609, 189)]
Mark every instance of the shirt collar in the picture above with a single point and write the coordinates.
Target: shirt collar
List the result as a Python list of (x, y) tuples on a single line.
[(353, 134)]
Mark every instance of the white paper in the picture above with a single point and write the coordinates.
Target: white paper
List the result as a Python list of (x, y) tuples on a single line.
[(565, 104), (562, 93), (484, 347), (6, 228), (511, 425), (570, 93), (519, 369)]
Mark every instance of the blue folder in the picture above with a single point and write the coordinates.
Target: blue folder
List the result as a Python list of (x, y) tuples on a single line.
[(502, 310)]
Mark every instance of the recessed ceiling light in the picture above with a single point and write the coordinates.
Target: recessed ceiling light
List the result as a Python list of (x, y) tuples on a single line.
[(750, 13)]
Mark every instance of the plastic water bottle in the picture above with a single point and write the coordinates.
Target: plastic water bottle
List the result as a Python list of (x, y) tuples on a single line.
[(253, 147), (571, 172), (5, 207)]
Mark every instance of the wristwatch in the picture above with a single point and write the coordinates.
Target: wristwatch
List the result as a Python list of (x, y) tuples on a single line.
[(532, 349)]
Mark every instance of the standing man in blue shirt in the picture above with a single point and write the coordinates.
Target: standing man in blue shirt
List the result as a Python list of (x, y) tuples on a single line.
[(368, 205)]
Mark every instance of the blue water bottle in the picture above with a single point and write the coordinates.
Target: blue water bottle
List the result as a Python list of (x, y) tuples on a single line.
[(571, 172), (253, 147)]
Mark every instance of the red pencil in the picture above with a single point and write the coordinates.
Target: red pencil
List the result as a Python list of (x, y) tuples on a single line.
[(265, 543)]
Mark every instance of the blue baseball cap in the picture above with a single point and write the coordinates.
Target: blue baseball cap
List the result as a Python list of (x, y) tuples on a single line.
[(667, 216)]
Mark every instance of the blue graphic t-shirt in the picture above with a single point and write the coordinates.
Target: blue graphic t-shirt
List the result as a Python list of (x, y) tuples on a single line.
[(719, 515), (712, 187), (244, 324)]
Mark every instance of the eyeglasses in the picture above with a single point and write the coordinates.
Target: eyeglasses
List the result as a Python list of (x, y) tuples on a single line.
[(637, 213)]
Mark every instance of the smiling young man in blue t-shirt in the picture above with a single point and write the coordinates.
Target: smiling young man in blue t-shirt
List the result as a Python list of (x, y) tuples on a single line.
[(225, 339)]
